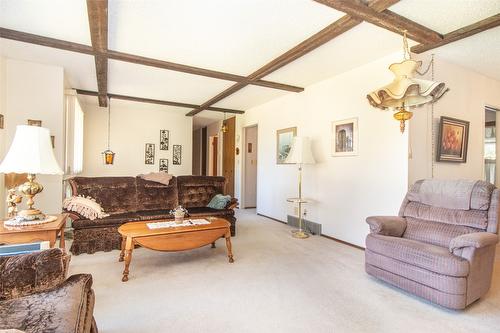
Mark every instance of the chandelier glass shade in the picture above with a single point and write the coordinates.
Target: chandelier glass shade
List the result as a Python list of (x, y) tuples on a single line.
[(407, 91)]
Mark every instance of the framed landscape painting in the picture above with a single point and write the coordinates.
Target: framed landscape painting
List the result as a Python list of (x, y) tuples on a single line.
[(284, 139), (453, 140), (345, 137)]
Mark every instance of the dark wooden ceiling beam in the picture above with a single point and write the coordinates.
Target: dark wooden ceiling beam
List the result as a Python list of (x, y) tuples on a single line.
[(120, 56), (45, 41), (335, 29), (156, 101), (98, 22), (475, 28), (384, 19)]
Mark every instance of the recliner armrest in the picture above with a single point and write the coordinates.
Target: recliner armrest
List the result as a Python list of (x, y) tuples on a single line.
[(387, 225), (475, 240)]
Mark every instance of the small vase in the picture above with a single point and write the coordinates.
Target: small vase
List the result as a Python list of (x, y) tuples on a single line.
[(179, 218)]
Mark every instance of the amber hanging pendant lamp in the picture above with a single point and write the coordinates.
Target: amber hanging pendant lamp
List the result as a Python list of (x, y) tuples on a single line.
[(108, 154), (224, 128), (406, 91)]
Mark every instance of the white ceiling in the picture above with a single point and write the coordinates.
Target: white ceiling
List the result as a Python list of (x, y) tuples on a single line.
[(236, 36)]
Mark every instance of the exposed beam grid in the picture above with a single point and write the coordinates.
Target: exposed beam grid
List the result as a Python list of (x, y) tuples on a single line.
[(125, 57), (335, 29), (98, 23), (156, 101), (385, 19), (475, 28)]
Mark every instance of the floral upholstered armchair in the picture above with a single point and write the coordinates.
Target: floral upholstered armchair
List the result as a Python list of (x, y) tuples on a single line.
[(36, 297)]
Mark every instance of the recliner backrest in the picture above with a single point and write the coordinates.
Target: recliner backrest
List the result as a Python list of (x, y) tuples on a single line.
[(437, 225)]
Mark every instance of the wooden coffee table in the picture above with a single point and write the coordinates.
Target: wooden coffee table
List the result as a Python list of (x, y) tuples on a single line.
[(35, 233), (171, 239)]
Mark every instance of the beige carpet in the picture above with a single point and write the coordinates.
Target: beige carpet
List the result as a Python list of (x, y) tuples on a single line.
[(277, 284)]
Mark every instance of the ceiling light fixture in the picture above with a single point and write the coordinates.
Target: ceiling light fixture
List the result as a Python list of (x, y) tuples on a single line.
[(224, 127), (108, 154), (405, 91)]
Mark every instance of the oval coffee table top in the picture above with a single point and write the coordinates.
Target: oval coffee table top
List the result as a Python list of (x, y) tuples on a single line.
[(140, 228)]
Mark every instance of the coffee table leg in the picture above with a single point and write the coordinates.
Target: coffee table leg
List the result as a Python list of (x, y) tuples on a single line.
[(213, 245), (129, 246), (229, 247), (122, 249)]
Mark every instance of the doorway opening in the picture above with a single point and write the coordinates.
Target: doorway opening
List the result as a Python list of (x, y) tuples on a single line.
[(250, 167), (490, 145)]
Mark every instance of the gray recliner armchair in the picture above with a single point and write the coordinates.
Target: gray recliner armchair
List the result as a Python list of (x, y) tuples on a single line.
[(441, 247)]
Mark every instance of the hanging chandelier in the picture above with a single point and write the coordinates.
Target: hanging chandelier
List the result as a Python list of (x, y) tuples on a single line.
[(224, 127), (406, 91), (108, 154)]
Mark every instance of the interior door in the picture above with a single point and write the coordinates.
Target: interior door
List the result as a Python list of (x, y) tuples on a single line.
[(250, 167), (228, 155)]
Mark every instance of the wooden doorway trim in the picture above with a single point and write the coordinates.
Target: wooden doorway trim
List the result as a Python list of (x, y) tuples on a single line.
[(215, 155), (228, 155)]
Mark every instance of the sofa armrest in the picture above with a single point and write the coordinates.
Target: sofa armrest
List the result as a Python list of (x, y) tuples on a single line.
[(232, 204), (74, 215), (475, 240), (30, 273), (387, 225)]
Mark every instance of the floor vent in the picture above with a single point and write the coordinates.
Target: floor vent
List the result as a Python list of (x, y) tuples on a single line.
[(311, 227)]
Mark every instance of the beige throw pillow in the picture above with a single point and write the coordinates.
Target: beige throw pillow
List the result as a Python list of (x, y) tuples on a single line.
[(86, 207)]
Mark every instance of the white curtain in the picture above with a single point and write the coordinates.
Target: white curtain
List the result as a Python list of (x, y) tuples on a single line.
[(74, 134)]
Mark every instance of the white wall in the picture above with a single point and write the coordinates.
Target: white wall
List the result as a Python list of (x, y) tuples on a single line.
[(35, 91), (132, 126), (468, 95), (343, 190)]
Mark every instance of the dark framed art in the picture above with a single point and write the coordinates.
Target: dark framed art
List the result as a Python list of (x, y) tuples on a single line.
[(176, 154), (163, 165), (453, 140), (149, 153), (164, 138), (34, 122)]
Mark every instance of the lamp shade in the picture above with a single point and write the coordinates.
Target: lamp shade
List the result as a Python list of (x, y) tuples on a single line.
[(31, 152), (301, 152), (405, 90)]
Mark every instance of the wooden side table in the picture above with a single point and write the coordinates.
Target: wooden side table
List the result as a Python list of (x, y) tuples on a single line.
[(36, 233)]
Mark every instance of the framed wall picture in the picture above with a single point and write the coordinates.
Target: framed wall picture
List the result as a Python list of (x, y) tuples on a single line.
[(164, 138), (452, 140), (34, 122), (163, 165), (149, 153), (284, 140), (176, 154), (345, 137)]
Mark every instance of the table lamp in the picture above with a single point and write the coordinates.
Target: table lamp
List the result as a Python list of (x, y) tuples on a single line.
[(300, 154), (31, 153)]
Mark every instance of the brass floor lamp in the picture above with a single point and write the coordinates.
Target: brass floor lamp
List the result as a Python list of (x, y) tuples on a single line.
[(300, 154)]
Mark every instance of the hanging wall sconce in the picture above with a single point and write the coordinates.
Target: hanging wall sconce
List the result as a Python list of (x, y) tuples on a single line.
[(108, 154), (405, 91)]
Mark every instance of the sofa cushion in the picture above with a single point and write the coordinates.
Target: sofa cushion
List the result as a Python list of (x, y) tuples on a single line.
[(207, 211), (153, 195), (158, 214), (114, 194), (22, 275), (61, 310), (112, 220), (435, 233), (197, 191), (431, 257)]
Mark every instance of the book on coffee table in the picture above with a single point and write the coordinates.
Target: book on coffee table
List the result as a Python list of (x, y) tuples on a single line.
[(173, 224)]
